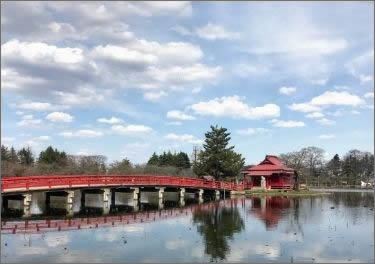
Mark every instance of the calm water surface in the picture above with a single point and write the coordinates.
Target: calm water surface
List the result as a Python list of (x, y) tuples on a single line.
[(333, 228)]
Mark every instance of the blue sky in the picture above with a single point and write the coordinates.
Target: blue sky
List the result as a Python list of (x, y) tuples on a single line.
[(125, 79)]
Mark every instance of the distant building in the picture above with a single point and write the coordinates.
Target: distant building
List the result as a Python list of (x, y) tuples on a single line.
[(271, 173)]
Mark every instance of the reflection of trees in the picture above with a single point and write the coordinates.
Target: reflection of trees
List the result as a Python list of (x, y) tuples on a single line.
[(352, 199), (217, 225)]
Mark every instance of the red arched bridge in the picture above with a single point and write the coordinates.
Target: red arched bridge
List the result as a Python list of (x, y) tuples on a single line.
[(63, 182)]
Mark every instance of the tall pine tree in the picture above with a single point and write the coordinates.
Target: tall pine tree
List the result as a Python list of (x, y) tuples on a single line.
[(217, 159)]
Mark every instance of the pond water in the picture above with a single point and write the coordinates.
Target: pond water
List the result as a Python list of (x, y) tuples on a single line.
[(333, 228)]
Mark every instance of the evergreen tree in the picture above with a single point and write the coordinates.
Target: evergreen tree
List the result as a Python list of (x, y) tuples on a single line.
[(25, 156), (13, 157), (5, 155), (217, 159), (154, 160)]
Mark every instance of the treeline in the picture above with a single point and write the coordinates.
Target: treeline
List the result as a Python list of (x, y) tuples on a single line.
[(216, 159), (52, 161), (355, 166)]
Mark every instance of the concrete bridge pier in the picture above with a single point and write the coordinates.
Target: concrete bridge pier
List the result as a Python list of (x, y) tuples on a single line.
[(106, 200), (182, 193), (217, 194), (136, 194), (26, 205), (161, 192), (201, 191), (69, 203), (161, 204), (135, 205)]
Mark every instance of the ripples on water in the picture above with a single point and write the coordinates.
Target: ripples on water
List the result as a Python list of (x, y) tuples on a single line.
[(333, 228)]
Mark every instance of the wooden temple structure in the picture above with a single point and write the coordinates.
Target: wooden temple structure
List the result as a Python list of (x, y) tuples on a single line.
[(271, 173)]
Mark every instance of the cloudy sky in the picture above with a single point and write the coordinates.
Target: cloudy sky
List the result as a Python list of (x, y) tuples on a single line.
[(125, 79)]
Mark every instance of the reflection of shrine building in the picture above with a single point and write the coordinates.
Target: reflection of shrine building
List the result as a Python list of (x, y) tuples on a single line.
[(270, 209)]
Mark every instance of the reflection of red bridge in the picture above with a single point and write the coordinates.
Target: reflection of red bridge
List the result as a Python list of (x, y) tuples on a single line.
[(51, 225), (29, 183)]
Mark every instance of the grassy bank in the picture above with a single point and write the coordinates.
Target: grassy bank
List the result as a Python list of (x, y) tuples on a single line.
[(283, 193)]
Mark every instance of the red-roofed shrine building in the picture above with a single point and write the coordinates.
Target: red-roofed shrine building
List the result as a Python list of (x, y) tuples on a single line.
[(271, 173)]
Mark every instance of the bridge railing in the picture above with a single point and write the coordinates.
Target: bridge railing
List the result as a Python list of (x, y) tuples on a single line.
[(74, 181)]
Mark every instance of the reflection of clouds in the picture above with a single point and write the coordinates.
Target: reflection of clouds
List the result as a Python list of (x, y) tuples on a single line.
[(245, 251), (115, 234), (32, 251), (176, 244), (53, 240), (197, 252)]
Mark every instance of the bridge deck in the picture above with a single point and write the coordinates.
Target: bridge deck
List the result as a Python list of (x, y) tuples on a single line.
[(31, 183)]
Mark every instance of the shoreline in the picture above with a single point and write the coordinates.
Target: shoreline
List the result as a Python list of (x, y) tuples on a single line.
[(281, 193)]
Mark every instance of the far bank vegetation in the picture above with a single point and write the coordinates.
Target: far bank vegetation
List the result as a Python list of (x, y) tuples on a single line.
[(216, 158)]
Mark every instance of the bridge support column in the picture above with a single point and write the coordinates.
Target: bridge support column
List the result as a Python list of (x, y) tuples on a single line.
[(201, 191), (26, 205), (182, 201), (182, 193), (136, 194), (161, 204), (106, 200), (217, 195), (69, 203), (135, 205), (161, 193)]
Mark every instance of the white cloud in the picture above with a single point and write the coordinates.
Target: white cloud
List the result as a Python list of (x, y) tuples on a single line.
[(125, 55), (7, 140), (42, 138), (253, 131), (355, 112), (326, 122), (174, 123), (83, 96), (365, 78), (38, 51), (369, 95), (209, 31), (60, 117), (28, 120), (19, 113), (182, 30), (327, 136), (288, 123), (112, 120), (235, 107), (184, 138), (319, 81), (315, 115), (328, 98), (83, 133), (178, 115), (212, 32), (337, 98), (360, 66), (131, 129), (287, 90), (38, 106), (304, 107), (154, 96)]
